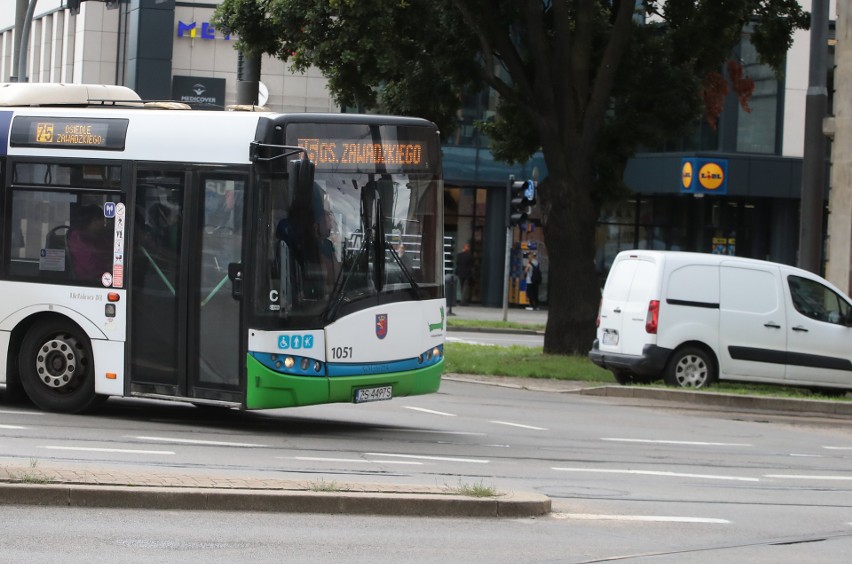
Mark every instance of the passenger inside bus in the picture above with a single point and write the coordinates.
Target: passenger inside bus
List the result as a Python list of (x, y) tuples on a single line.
[(308, 230), (90, 244)]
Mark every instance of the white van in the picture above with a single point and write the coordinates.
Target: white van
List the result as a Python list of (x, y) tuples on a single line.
[(693, 318)]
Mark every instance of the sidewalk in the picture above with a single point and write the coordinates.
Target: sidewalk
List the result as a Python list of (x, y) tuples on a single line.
[(50, 485), (514, 314)]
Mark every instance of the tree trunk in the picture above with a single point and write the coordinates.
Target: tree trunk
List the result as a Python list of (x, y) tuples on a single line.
[(569, 225)]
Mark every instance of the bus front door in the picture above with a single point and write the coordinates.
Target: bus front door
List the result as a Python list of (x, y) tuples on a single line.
[(185, 329)]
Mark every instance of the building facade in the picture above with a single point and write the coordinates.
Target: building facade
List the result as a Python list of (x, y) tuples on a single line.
[(163, 49)]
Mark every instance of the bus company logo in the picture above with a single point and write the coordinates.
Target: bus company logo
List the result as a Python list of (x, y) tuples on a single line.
[(295, 342), (192, 30), (438, 325), (381, 325), (686, 174), (711, 176)]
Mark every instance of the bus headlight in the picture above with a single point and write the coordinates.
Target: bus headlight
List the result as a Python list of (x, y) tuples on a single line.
[(289, 362)]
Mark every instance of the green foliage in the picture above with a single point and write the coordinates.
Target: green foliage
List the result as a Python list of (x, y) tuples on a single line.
[(584, 81), (478, 489), (394, 56)]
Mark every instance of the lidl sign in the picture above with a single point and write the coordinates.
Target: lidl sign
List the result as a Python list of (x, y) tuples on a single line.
[(704, 176)]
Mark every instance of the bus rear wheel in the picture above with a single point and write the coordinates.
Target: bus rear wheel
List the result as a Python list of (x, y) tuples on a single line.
[(56, 367)]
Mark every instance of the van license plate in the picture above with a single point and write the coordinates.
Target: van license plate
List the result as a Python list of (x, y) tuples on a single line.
[(373, 394), (610, 337)]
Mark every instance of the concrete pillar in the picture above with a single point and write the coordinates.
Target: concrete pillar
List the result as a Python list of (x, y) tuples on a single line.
[(840, 196)]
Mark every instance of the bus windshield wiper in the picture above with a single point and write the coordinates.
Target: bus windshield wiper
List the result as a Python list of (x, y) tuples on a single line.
[(338, 294), (407, 273)]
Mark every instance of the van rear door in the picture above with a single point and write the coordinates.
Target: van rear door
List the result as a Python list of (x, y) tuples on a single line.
[(631, 285)]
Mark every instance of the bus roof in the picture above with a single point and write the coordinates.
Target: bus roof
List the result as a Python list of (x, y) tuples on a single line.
[(188, 136), (147, 133), (24, 94)]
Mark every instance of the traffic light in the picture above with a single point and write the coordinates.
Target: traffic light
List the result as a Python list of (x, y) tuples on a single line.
[(521, 200)]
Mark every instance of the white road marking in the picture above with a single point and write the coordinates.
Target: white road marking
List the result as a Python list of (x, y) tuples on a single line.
[(429, 411), (12, 427), (665, 442), (658, 473), (519, 425), (320, 459), (432, 431), (196, 442), (807, 455), (121, 450), (419, 457), (652, 518), (836, 448), (806, 477), (10, 412)]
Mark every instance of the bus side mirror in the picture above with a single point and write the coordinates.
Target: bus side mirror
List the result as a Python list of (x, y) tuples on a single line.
[(300, 177)]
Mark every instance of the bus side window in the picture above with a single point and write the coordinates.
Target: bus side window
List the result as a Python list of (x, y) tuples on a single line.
[(90, 244)]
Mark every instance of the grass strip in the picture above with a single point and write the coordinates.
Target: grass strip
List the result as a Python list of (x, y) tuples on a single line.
[(530, 362)]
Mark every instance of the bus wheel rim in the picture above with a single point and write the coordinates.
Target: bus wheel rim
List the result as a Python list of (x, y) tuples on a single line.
[(57, 362)]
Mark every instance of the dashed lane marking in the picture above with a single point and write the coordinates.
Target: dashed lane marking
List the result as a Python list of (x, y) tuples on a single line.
[(651, 518), (198, 442), (347, 460), (433, 412), (12, 427), (658, 473), (520, 425), (424, 457), (667, 442), (119, 450), (807, 477)]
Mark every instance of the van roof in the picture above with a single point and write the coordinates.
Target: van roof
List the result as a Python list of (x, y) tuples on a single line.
[(683, 257)]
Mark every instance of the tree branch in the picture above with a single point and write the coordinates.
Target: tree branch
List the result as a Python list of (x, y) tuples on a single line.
[(619, 38)]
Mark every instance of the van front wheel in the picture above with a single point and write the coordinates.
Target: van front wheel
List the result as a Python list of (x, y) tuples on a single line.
[(690, 367)]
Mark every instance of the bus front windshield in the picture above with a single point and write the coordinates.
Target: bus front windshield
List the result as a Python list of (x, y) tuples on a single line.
[(354, 240)]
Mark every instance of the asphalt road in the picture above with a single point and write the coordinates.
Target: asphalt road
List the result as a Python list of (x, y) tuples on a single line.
[(625, 477)]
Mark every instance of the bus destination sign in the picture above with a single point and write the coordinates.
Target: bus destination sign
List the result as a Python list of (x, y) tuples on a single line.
[(69, 133), (351, 153)]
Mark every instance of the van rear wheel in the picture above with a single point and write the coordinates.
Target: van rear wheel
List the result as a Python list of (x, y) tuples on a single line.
[(690, 367)]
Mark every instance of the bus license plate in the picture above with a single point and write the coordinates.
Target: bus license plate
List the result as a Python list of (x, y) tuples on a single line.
[(373, 394)]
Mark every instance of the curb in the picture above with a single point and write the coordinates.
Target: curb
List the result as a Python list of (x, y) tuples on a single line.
[(815, 407), (513, 504)]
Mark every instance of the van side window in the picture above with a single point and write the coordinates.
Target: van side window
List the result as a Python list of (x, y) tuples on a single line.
[(619, 280), (813, 300)]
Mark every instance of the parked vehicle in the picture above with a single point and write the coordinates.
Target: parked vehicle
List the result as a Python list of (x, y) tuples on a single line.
[(693, 318)]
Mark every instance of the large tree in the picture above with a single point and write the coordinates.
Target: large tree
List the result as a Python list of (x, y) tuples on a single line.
[(586, 82)]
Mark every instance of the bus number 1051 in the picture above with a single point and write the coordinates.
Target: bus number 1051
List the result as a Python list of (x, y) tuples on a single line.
[(341, 352)]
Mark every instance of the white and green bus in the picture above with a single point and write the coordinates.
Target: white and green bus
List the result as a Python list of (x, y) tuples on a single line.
[(230, 258)]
